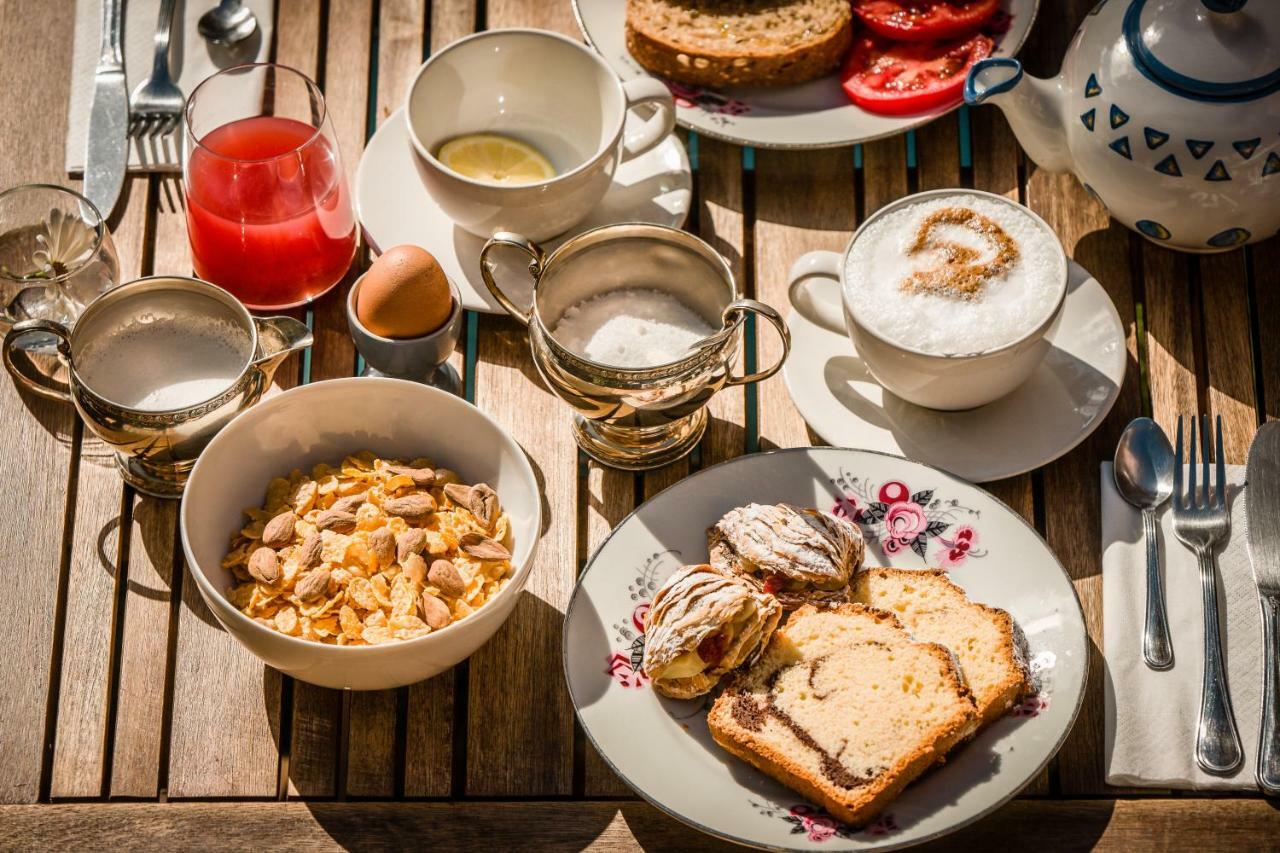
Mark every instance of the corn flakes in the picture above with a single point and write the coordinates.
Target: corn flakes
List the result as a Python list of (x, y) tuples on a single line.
[(370, 599)]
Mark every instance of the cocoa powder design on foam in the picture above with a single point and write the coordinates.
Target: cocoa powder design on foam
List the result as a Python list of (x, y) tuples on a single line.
[(958, 275)]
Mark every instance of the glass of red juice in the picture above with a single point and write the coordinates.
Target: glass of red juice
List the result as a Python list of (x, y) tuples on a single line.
[(269, 213)]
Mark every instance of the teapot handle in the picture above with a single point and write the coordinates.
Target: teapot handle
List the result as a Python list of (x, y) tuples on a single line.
[(536, 258), (38, 383)]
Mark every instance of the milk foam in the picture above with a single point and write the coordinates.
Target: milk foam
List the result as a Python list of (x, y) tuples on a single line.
[(1007, 307), (164, 363)]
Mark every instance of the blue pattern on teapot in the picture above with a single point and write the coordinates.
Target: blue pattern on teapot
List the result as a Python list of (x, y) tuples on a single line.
[(1168, 110)]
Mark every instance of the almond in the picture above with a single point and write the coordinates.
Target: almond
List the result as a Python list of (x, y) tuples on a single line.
[(459, 494), (264, 566), (279, 530), (309, 551), (423, 478), (312, 584), (413, 507), (445, 577), (383, 545), (336, 520), (350, 503), (415, 568), (483, 504), (435, 612), (483, 548), (412, 541)]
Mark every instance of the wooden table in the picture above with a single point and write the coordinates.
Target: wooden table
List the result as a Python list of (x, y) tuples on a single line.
[(128, 717)]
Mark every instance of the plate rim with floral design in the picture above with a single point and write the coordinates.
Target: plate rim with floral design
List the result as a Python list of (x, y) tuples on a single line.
[(728, 118), (944, 528)]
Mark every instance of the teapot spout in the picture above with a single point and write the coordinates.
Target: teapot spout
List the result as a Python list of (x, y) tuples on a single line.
[(1031, 105), (277, 337)]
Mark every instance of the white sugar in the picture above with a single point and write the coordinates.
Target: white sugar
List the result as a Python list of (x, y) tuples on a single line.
[(631, 328), (1006, 308)]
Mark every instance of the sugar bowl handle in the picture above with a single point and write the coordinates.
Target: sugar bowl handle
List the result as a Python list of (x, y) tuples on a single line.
[(735, 313), (36, 381), (530, 248)]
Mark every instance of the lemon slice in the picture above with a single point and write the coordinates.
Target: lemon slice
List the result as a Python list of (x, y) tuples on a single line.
[(496, 159)]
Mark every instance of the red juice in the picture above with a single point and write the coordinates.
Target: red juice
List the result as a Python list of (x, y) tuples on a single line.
[(269, 215)]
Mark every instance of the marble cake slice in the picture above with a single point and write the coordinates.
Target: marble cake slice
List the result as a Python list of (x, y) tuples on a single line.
[(845, 708)]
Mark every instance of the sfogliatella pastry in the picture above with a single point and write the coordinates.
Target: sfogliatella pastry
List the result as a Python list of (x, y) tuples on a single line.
[(704, 623), (799, 555)]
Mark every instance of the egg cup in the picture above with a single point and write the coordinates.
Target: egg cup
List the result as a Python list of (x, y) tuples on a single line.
[(423, 359)]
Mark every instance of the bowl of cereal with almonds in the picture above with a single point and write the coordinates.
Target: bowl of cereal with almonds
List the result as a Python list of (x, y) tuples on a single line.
[(361, 533)]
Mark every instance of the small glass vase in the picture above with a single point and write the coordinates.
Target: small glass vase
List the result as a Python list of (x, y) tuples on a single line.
[(56, 256)]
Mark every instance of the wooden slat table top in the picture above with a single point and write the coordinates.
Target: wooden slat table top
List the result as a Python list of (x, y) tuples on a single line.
[(127, 714)]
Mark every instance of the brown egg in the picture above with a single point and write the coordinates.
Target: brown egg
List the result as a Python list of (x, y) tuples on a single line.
[(404, 294)]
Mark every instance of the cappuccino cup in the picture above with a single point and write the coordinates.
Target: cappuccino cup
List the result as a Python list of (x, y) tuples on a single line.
[(544, 89), (948, 296), (157, 366)]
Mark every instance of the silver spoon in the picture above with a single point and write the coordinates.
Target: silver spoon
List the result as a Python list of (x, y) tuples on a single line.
[(228, 23), (1144, 476)]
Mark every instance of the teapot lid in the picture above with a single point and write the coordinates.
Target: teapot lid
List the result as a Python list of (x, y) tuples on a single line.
[(1209, 50)]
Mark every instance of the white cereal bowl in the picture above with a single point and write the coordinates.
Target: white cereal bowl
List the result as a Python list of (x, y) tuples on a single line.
[(324, 422)]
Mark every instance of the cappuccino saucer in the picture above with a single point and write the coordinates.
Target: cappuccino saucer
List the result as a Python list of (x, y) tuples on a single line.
[(1064, 401), (394, 207)]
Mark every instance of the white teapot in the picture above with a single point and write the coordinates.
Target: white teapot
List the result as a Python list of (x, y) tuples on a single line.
[(1167, 110)]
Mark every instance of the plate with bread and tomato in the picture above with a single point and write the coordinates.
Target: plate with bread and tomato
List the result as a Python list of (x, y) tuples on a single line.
[(805, 73)]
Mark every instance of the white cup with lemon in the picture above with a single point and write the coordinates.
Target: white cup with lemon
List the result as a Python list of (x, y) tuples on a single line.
[(521, 130)]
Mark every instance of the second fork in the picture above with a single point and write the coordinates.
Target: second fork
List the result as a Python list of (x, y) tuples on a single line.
[(156, 105), (1202, 522)]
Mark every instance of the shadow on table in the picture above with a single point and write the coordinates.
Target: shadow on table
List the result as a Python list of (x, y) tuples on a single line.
[(573, 826), (541, 826)]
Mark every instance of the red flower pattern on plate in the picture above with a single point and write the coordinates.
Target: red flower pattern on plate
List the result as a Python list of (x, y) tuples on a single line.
[(1033, 706), (903, 521), (957, 547), (818, 825)]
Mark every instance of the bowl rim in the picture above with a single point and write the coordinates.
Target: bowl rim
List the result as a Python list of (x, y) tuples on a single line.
[(519, 575)]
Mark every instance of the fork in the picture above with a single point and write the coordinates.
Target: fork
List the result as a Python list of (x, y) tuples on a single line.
[(155, 107), (1201, 522)]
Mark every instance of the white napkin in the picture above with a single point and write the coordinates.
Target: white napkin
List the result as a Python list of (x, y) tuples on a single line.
[(191, 60), (1151, 716)]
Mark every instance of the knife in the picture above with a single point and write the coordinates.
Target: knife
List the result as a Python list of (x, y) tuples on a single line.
[(1262, 519), (107, 143)]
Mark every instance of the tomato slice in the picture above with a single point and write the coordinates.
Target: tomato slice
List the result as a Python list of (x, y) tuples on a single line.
[(924, 20), (897, 78)]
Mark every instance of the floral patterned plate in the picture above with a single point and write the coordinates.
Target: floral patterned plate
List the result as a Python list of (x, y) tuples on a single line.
[(810, 115), (912, 516)]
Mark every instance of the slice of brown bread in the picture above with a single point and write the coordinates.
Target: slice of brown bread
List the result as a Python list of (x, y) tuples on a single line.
[(739, 42), (986, 640), (845, 708)]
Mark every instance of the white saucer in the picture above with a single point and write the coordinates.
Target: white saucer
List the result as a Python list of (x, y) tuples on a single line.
[(394, 207), (1062, 403)]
